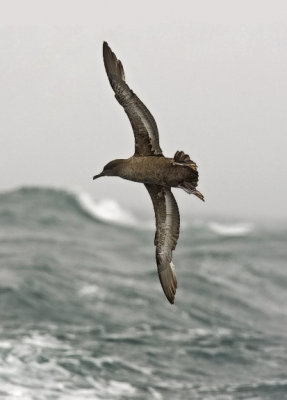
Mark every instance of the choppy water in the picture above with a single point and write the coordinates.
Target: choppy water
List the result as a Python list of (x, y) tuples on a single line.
[(83, 316)]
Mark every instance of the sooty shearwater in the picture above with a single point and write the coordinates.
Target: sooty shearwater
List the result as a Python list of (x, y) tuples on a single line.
[(149, 166)]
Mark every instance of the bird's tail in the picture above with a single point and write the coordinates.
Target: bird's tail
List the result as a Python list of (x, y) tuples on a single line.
[(189, 188), (181, 158), (190, 184)]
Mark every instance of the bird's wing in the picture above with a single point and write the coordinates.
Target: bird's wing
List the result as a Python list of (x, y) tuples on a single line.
[(167, 232), (143, 123)]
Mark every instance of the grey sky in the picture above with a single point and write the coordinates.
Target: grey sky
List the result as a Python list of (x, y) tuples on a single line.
[(213, 74)]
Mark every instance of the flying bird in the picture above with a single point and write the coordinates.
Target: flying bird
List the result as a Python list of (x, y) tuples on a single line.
[(149, 166)]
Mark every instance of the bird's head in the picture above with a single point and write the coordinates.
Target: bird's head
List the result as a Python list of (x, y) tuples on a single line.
[(111, 169)]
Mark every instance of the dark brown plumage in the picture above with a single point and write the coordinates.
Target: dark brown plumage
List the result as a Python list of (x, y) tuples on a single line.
[(149, 166)]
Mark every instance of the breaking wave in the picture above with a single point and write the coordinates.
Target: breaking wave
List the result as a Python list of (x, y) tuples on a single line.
[(83, 315), (237, 229), (62, 203), (105, 210), (67, 200)]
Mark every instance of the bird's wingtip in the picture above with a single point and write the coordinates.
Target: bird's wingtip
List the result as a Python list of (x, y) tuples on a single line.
[(170, 298), (168, 282)]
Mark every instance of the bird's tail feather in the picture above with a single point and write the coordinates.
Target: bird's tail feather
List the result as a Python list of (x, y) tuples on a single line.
[(191, 189), (183, 159)]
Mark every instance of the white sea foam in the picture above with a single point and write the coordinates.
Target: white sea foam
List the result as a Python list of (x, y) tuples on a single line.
[(5, 344), (92, 291), (195, 333), (155, 394), (106, 210), (48, 378), (237, 229), (117, 388), (40, 340)]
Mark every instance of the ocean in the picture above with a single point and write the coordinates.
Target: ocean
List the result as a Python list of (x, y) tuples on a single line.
[(83, 315)]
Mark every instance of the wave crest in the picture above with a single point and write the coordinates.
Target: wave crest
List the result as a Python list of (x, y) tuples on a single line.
[(105, 210), (236, 229), (42, 202)]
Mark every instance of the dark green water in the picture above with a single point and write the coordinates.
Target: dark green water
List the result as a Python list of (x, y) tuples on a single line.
[(83, 316)]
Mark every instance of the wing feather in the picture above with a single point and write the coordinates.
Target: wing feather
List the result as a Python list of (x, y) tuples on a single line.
[(167, 232), (143, 124)]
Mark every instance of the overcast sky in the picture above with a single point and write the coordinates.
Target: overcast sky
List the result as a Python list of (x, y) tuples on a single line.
[(213, 74)]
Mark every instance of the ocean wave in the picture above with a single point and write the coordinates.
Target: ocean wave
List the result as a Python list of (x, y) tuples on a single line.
[(48, 204), (259, 386), (33, 349), (105, 210), (65, 199), (236, 229)]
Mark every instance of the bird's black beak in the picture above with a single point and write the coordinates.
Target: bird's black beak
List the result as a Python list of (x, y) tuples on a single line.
[(99, 175)]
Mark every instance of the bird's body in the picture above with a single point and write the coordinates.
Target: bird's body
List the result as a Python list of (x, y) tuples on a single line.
[(156, 170), (149, 166)]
